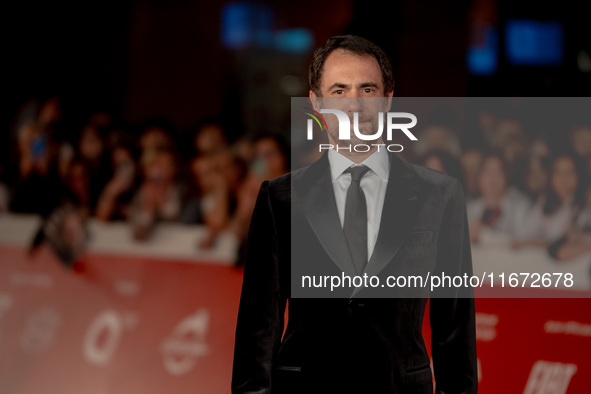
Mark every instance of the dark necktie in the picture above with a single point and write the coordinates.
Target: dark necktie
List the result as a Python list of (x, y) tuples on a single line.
[(355, 226)]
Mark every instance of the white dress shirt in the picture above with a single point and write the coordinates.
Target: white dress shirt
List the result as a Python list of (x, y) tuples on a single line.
[(373, 184)]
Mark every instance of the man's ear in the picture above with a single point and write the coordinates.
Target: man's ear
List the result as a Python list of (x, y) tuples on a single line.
[(315, 100)]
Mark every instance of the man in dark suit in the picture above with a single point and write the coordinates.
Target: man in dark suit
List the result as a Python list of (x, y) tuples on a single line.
[(355, 213)]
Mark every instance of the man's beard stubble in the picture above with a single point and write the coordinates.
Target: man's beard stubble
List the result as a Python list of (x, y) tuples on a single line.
[(367, 124)]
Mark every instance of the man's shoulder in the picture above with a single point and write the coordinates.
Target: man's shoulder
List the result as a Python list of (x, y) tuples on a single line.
[(285, 180), (432, 177), (280, 182), (280, 187)]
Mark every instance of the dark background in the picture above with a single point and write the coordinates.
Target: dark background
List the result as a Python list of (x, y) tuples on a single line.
[(145, 58)]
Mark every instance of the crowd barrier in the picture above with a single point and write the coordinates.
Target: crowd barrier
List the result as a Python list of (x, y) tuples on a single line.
[(159, 317)]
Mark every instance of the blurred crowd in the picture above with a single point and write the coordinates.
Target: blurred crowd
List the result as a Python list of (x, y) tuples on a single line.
[(522, 189), (138, 174)]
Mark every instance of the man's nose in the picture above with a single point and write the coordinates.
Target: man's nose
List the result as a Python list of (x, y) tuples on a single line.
[(354, 103)]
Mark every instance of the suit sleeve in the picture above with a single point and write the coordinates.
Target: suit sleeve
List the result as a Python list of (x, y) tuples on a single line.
[(262, 304), (451, 311)]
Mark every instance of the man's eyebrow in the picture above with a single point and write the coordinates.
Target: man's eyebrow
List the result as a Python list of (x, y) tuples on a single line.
[(338, 85), (368, 85)]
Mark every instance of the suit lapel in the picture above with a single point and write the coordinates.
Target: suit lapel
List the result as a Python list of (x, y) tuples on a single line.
[(316, 195), (404, 197)]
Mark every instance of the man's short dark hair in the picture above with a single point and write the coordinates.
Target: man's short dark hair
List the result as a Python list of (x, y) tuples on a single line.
[(354, 44)]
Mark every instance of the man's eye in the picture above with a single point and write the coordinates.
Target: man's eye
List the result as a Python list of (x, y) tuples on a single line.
[(368, 90), (339, 91)]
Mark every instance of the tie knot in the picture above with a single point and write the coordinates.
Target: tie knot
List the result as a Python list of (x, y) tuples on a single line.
[(357, 172)]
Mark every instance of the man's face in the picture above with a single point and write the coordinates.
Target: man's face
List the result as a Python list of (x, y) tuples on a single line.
[(352, 83)]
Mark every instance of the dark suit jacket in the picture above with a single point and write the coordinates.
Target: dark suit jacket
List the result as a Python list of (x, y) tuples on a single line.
[(360, 342)]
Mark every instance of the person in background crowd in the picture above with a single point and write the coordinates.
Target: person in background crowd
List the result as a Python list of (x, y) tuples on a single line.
[(64, 227), (552, 214), (577, 240), (65, 155), (209, 138), (34, 151), (445, 162), (507, 136), (539, 149), (471, 161), (438, 138), (243, 149), (91, 149), (115, 199), (217, 177), (511, 141), (78, 185), (270, 160), (50, 118), (496, 214), (156, 136), (209, 199), (158, 197), (36, 176), (580, 137), (535, 176), (271, 156)]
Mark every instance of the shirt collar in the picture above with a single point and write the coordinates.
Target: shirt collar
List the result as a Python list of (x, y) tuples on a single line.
[(378, 162)]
